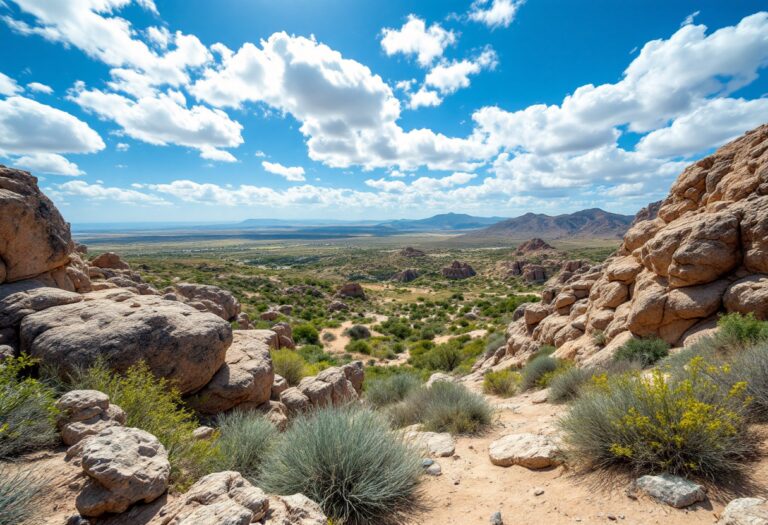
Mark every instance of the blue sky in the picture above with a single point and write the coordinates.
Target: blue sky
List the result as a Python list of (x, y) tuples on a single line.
[(159, 111)]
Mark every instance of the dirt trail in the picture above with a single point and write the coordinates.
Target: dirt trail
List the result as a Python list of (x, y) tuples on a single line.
[(471, 489)]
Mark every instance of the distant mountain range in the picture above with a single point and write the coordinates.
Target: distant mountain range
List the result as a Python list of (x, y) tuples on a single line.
[(592, 223), (444, 221)]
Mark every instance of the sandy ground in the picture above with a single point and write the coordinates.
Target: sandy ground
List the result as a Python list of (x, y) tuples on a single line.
[(471, 488)]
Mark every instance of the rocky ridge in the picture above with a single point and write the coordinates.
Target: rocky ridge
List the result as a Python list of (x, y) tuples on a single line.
[(704, 252)]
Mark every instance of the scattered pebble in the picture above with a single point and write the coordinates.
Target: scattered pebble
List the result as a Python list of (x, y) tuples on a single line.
[(538, 492), (434, 469), (496, 519)]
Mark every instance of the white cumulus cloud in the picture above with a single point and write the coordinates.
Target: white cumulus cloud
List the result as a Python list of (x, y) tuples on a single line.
[(294, 173), (494, 13), (416, 39)]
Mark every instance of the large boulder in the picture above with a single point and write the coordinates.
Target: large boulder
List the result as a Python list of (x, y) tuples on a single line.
[(458, 270), (246, 377), (111, 261), (351, 290), (34, 238), (175, 340), (745, 511), (19, 299), (124, 466)]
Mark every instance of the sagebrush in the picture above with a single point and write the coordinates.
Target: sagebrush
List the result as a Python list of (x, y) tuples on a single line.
[(245, 439), (350, 462)]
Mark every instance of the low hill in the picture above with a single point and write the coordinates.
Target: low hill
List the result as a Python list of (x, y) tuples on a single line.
[(444, 221), (592, 223)]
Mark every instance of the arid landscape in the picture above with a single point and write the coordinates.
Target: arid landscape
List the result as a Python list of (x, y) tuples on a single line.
[(383, 263)]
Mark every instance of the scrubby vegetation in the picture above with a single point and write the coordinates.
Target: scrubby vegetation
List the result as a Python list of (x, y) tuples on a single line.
[(443, 407), (688, 424), (27, 412), (504, 383), (568, 384), (289, 364), (349, 461), (154, 405), (538, 371), (384, 391), (17, 494), (245, 438), (645, 351)]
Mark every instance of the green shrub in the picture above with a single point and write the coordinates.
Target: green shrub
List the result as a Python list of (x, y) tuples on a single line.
[(750, 367), (567, 385), (742, 329), (444, 357), (384, 391), (543, 350), (444, 407), (535, 370), (397, 327), (306, 334), (27, 412), (502, 383), (245, 439), (288, 364), (645, 351), (688, 425), (358, 347), (17, 494), (358, 331), (154, 405), (349, 461)]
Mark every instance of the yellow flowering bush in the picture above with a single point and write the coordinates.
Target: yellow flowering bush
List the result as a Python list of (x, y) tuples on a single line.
[(689, 423)]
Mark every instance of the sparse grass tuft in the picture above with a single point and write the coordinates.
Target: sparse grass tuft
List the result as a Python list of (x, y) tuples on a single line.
[(289, 364), (568, 384), (502, 383), (27, 412), (536, 370), (245, 439), (384, 391), (644, 351), (350, 462), (17, 494), (443, 407)]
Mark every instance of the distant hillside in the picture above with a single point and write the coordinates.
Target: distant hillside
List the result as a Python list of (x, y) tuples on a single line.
[(445, 221), (595, 223)]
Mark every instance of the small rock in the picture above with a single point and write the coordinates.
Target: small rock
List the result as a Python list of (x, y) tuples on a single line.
[(427, 462), (672, 490), (496, 519), (538, 492), (434, 469), (436, 444), (203, 432)]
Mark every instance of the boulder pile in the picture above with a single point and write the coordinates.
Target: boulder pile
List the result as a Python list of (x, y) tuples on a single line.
[(702, 252), (458, 270)]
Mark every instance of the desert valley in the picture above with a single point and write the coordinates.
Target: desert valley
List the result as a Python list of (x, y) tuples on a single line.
[(564, 364)]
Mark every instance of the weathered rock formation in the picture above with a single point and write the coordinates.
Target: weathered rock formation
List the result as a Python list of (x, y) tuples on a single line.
[(84, 413), (332, 386), (406, 276), (705, 253), (410, 251), (534, 245), (458, 270), (351, 290)]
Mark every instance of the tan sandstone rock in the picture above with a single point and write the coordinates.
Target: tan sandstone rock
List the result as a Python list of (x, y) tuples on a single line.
[(531, 451)]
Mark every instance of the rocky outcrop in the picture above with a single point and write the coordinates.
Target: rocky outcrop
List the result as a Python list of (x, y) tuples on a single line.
[(704, 252), (410, 251), (246, 377), (210, 298), (333, 386), (228, 498), (175, 340), (110, 260), (34, 238), (351, 290), (534, 245), (124, 466), (406, 276), (84, 413), (458, 270)]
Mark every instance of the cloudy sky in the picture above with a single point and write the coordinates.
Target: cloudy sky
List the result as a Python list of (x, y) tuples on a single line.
[(369, 109)]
